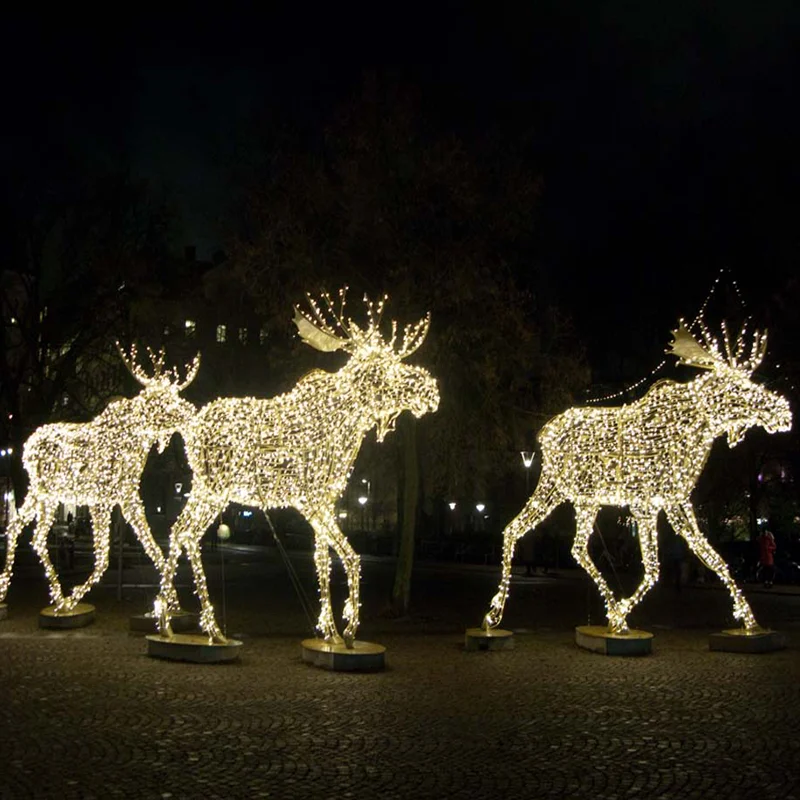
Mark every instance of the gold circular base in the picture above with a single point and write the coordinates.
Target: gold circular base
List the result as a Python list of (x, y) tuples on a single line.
[(336, 656), (193, 647), (488, 639), (78, 617), (740, 640), (599, 639)]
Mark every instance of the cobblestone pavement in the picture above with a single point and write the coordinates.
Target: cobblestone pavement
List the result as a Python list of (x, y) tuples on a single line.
[(87, 715)]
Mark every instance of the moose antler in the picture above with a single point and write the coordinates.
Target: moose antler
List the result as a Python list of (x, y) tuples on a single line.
[(414, 335), (689, 351), (191, 373), (316, 330), (709, 354), (159, 376)]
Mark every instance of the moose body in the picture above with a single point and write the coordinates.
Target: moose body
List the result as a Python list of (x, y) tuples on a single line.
[(258, 441), (296, 450), (648, 455), (99, 464), (619, 453)]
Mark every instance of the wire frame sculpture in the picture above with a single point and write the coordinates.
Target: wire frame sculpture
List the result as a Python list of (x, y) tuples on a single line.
[(297, 449), (648, 455), (100, 464)]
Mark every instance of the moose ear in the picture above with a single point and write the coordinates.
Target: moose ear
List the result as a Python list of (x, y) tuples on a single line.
[(313, 336)]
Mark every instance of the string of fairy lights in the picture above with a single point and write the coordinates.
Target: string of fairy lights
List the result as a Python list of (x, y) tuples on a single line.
[(692, 325), (297, 449), (99, 464), (648, 455)]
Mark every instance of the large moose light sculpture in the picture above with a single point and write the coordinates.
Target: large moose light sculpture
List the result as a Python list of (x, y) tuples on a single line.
[(297, 449), (648, 455), (100, 464)]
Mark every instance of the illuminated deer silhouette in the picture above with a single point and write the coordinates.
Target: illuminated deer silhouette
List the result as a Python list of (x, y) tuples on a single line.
[(297, 449), (100, 464), (649, 455)]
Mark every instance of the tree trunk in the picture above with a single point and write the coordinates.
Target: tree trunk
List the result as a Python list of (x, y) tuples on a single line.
[(19, 478), (401, 593)]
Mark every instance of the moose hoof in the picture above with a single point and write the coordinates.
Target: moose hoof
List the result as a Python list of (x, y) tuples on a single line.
[(180, 622)]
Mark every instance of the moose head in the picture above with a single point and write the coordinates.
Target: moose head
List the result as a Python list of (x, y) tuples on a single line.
[(158, 410), (732, 400), (383, 383)]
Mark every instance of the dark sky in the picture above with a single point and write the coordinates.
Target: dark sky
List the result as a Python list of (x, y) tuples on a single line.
[(666, 133)]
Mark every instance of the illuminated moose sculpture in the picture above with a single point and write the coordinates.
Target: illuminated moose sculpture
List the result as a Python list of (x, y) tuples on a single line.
[(297, 449), (100, 464), (649, 455)]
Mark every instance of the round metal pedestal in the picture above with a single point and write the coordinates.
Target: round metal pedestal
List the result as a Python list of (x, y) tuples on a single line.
[(492, 639), (192, 647), (363, 657), (80, 616), (599, 639), (738, 640)]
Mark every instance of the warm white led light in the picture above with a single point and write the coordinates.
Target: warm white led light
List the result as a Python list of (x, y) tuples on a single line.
[(648, 455), (99, 464), (298, 449)]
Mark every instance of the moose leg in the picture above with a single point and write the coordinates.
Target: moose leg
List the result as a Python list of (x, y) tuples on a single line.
[(322, 560), (326, 522), (195, 519), (684, 522), (25, 515), (648, 544), (538, 507), (615, 611), (134, 513), (47, 515), (161, 606), (101, 541)]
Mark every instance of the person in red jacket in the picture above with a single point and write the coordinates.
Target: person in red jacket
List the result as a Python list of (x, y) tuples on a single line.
[(766, 557)]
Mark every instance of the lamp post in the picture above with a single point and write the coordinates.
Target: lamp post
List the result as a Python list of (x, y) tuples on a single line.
[(6, 486)]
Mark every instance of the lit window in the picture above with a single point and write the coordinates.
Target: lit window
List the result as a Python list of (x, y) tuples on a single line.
[(222, 333), (243, 335), (190, 326)]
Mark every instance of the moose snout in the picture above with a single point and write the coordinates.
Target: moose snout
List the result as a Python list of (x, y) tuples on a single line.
[(427, 399), (782, 419)]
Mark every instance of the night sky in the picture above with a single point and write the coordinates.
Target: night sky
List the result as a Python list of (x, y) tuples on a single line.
[(666, 134)]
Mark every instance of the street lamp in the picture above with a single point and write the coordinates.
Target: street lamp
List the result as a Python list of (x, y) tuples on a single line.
[(527, 461), (362, 501), (452, 505), (480, 507)]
